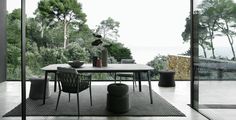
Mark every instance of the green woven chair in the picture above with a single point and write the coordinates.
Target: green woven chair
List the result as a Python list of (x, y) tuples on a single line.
[(70, 81)]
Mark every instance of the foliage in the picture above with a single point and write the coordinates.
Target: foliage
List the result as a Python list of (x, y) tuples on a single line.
[(45, 38), (84, 36), (33, 33), (187, 53), (33, 60), (226, 9), (53, 56), (118, 51), (202, 35), (13, 62), (69, 12), (108, 29), (13, 44), (158, 63), (75, 52), (111, 60), (214, 18)]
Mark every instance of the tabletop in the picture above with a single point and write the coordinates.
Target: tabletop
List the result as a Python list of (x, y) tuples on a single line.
[(109, 68)]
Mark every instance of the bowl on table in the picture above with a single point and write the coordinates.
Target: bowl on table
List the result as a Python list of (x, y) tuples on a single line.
[(76, 63)]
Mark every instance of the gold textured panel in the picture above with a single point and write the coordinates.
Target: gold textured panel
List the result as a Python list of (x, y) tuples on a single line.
[(181, 66)]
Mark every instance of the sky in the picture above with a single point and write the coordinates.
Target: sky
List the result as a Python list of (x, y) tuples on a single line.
[(147, 27)]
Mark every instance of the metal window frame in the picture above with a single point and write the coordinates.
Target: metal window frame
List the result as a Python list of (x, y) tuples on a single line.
[(3, 42), (23, 50), (3, 50), (194, 84)]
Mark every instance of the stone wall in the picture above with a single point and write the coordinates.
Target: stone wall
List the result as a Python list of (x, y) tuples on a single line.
[(181, 66)]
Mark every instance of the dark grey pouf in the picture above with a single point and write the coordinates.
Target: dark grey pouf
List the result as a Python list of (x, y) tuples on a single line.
[(166, 78), (37, 88), (118, 98)]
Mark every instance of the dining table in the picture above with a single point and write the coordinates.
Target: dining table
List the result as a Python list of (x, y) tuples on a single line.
[(111, 68)]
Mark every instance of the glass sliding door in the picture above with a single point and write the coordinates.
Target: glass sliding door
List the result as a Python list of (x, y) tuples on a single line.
[(13, 27), (214, 64)]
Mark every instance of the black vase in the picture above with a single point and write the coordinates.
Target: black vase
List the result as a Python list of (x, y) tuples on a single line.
[(95, 61)]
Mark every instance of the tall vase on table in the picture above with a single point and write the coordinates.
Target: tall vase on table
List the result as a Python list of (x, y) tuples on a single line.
[(104, 57)]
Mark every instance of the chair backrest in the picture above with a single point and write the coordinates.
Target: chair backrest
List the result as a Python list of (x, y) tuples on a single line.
[(69, 79), (127, 61)]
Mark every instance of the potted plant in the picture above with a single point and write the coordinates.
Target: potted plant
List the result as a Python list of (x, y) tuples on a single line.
[(100, 51)]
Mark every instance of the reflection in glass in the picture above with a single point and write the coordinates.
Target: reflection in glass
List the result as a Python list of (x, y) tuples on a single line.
[(13, 40), (216, 63)]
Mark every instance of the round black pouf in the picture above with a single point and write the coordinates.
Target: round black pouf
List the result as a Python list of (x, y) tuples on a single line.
[(117, 89), (118, 98), (37, 88), (166, 79)]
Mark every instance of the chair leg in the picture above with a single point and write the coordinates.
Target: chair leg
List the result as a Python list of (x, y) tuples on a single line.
[(55, 82), (69, 97), (58, 99), (78, 103), (115, 77)]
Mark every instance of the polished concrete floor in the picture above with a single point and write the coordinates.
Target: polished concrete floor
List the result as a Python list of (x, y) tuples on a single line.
[(178, 96), (221, 93)]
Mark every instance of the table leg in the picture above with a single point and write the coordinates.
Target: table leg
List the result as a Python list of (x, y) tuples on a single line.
[(55, 82), (139, 82), (150, 86), (45, 84)]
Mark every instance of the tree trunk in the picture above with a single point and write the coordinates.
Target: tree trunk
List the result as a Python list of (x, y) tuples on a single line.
[(65, 33), (204, 50), (211, 29), (42, 32), (212, 49), (212, 46), (231, 45), (232, 48), (230, 39)]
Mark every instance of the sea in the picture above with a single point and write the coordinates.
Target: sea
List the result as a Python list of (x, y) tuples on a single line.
[(143, 55)]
